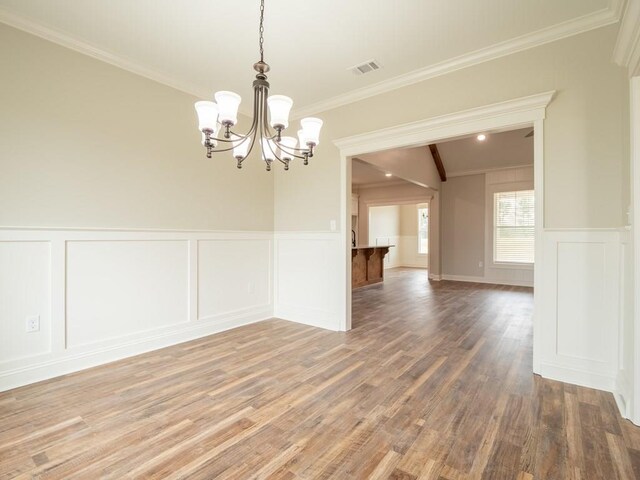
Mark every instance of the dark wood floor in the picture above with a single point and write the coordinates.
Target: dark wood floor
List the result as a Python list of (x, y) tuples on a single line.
[(434, 382)]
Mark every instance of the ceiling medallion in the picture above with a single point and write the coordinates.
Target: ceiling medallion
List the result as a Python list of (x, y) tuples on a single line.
[(223, 114)]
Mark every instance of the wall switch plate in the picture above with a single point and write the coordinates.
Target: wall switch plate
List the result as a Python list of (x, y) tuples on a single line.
[(480, 264), (33, 323), (332, 225), (250, 287)]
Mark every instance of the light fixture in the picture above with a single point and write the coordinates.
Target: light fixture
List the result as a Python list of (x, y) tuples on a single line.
[(269, 112), (388, 174), (482, 137)]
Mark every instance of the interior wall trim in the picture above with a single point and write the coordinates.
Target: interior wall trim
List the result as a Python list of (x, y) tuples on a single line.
[(627, 50), (518, 112), (490, 281), (597, 19), (601, 18), (89, 271), (65, 40)]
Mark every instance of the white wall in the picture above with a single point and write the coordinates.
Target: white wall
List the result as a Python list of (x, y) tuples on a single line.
[(306, 288), (103, 295), (580, 318), (384, 229), (409, 256)]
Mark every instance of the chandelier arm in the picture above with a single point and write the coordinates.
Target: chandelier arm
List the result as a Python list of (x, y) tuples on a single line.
[(290, 150), (256, 97), (213, 150), (265, 128)]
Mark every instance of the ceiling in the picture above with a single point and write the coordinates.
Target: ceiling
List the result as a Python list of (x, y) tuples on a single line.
[(365, 174), (499, 150), (460, 156), (201, 46)]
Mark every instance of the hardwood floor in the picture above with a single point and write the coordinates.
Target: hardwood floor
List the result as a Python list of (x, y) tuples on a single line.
[(434, 382)]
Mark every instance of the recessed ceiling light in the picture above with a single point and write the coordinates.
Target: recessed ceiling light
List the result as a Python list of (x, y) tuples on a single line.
[(387, 174), (482, 137)]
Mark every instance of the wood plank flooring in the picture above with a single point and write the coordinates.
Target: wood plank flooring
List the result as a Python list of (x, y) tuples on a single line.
[(433, 382)]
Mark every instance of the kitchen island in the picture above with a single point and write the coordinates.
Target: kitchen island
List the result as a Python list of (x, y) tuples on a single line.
[(367, 264)]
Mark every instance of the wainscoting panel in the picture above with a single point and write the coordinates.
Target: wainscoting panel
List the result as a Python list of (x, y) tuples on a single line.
[(25, 283), (117, 289), (580, 321), (233, 276), (308, 270), (103, 295)]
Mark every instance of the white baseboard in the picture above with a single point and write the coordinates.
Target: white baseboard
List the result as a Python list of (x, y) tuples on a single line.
[(68, 361), (468, 278), (622, 395), (308, 316), (579, 377)]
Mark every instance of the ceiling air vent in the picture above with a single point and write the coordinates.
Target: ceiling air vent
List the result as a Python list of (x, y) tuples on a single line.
[(366, 67)]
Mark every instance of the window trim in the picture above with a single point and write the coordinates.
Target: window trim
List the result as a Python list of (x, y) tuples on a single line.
[(490, 190), (494, 227)]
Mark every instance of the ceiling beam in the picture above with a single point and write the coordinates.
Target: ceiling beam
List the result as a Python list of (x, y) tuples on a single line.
[(438, 161)]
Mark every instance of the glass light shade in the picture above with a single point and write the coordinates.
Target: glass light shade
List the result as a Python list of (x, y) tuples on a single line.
[(302, 139), (228, 103), (311, 128), (279, 108), (289, 143), (268, 149), (207, 115), (240, 146)]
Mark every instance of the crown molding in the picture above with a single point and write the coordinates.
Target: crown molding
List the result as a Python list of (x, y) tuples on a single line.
[(627, 50), (575, 26), (526, 109), (56, 36), (585, 23)]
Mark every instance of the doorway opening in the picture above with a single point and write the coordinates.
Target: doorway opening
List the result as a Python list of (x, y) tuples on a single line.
[(527, 112)]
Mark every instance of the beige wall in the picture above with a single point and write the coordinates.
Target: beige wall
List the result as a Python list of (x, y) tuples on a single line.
[(409, 220), (85, 144), (586, 131), (463, 225)]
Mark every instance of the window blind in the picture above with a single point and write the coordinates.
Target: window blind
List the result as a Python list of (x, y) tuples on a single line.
[(513, 235)]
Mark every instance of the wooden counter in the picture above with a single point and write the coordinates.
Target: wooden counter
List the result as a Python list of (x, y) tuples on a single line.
[(367, 264)]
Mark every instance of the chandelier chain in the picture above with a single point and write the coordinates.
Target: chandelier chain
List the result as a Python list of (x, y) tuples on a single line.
[(262, 30)]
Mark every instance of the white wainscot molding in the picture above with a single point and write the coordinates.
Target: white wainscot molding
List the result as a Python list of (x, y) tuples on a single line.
[(103, 295), (306, 267), (580, 317)]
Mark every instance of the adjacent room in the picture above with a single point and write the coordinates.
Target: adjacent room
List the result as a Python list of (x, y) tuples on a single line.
[(275, 239), (485, 217)]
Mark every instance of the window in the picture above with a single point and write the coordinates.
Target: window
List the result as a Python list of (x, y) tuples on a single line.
[(423, 230), (513, 234)]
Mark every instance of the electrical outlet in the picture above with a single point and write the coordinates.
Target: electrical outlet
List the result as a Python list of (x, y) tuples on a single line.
[(250, 287), (480, 264), (33, 323), (332, 225)]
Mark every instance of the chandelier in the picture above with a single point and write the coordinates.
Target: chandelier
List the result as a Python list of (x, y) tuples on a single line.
[(265, 128)]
